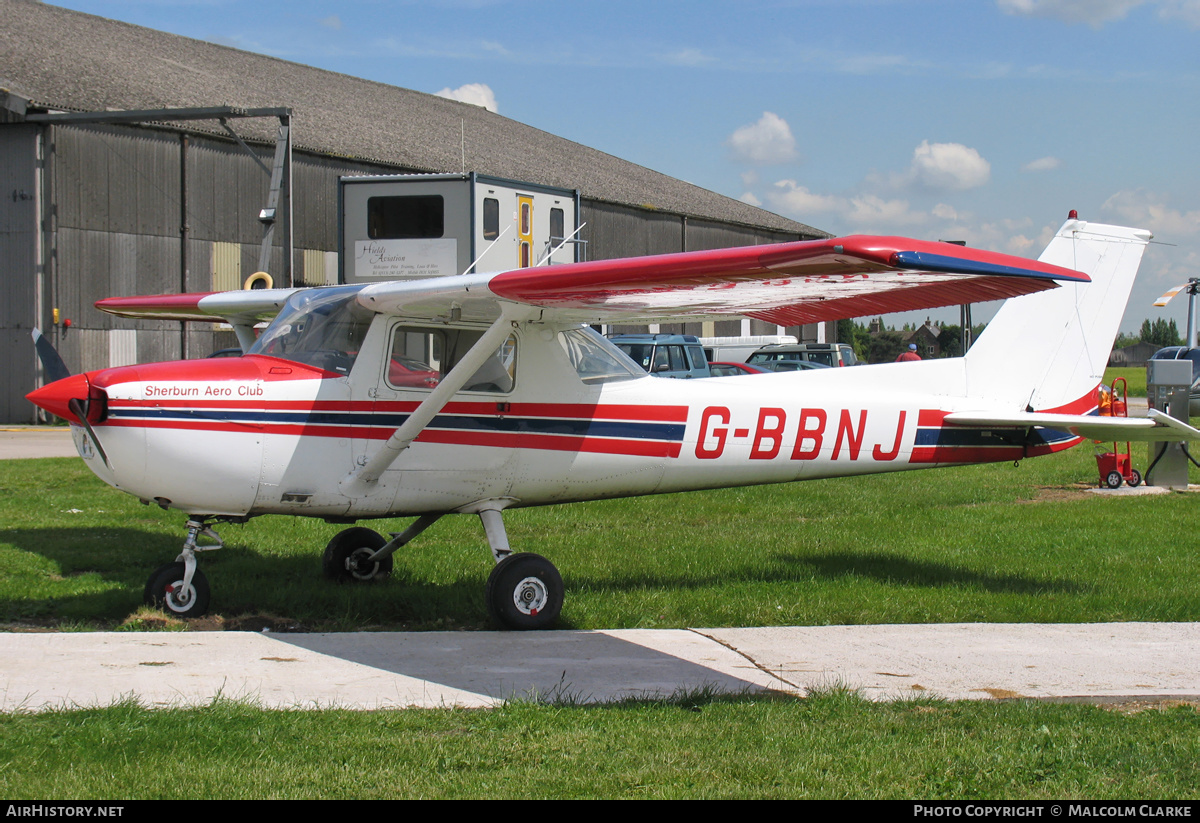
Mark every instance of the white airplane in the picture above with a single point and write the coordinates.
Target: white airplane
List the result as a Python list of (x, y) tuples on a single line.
[(479, 393)]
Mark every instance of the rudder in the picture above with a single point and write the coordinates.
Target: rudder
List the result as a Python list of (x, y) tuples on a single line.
[(1048, 351)]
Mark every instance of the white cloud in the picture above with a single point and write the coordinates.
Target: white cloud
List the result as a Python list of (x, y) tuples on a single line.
[(1186, 10), (943, 211), (872, 210), (862, 210), (1019, 245), (749, 197), (477, 94), (768, 141), (1093, 12), (795, 199), (1150, 211), (1042, 164), (687, 57), (948, 166)]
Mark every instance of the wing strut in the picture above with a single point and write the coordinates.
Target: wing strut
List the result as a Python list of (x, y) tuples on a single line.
[(360, 480)]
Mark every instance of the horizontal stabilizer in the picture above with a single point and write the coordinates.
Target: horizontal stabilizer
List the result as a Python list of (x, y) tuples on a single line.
[(1158, 427), (243, 306)]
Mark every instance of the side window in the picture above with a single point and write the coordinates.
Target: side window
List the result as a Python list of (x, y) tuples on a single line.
[(640, 353), (420, 358), (672, 357), (557, 224), (595, 359), (491, 218), (416, 358)]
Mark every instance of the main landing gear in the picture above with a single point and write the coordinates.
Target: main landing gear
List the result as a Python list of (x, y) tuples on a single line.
[(524, 590)]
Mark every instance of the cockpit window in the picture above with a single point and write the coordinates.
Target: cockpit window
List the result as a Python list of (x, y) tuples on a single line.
[(595, 359), (324, 328)]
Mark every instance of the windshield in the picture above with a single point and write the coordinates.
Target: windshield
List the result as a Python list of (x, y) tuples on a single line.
[(320, 327)]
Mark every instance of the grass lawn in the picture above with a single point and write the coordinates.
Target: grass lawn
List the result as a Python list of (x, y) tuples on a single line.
[(1135, 378), (981, 543), (828, 746)]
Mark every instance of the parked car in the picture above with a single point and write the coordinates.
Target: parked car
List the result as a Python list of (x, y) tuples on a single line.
[(793, 365), (724, 369), (828, 354), (665, 355), (1185, 353)]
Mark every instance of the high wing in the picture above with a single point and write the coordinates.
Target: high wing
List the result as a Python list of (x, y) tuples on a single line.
[(785, 283), (1156, 427)]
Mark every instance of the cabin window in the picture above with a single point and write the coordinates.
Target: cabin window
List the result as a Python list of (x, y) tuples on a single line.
[(408, 216), (595, 359), (421, 357), (491, 218), (557, 225)]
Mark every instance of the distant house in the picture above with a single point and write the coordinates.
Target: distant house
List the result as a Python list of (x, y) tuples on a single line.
[(924, 336), (1132, 356)]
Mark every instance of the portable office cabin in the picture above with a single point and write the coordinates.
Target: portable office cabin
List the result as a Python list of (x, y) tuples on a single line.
[(405, 226)]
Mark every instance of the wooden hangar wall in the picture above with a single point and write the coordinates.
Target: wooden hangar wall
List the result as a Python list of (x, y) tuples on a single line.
[(111, 203)]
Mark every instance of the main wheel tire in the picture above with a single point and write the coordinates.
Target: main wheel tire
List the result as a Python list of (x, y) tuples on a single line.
[(1113, 480), (165, 591), (1135, 479), (347, 557), (525, 592)]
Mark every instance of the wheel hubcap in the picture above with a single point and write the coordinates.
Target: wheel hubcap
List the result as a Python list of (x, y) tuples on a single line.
[(179, 597), (530, 596), (360, 565)]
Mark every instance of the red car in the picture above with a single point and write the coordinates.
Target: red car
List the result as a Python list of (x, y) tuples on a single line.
[(724, 369)]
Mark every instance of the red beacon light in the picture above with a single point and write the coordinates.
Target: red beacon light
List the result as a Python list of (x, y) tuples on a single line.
[(1073, 215)]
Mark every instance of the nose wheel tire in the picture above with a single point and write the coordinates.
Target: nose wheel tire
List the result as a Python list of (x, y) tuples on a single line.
[(348, 556), (165, 591), (525, 592)]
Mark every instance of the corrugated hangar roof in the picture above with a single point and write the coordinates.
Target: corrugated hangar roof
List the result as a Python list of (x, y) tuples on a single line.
[(64, 59)]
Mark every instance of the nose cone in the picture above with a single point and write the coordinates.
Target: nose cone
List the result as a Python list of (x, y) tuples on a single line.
[(55, 396)]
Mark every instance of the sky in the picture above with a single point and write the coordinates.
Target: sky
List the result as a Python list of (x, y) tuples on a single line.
[(977, 120)]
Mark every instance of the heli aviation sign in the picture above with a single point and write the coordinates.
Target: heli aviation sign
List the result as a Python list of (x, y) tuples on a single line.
[(405, 259)]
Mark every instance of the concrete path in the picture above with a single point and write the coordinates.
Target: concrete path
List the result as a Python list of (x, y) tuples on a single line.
[(390, 670), (18, 442)]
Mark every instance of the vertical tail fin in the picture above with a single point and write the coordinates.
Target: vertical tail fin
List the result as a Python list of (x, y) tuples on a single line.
[(1047, 351)]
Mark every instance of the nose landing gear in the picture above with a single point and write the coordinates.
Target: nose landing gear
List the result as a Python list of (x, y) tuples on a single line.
[(180, 588)]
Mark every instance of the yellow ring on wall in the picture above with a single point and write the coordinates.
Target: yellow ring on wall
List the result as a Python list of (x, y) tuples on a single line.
[(258, 280)]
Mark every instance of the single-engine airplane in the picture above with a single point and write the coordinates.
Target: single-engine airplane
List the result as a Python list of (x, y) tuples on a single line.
[(478, 393)]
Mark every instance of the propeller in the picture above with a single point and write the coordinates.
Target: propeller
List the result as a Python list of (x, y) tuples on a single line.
[(1192, 286), (52, 364), (80, 408), (60, 382)]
